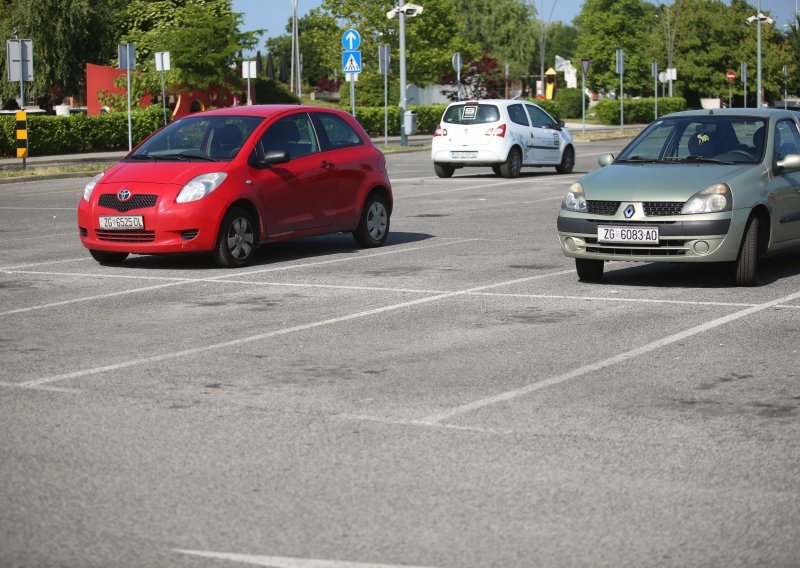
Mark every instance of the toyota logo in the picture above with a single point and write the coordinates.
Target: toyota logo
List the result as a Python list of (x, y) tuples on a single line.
[(124, 195)]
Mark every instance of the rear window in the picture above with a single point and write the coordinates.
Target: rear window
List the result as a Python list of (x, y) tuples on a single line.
[(471, 114)]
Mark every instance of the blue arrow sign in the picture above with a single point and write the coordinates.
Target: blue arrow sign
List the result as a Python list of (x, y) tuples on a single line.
[(351, 62), (351, 39)]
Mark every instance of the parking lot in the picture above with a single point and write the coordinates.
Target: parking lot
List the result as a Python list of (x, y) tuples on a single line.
[(454, 399)]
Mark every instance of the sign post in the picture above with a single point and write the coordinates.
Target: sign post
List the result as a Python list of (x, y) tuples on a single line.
[(249, 72), (457, 69), (127, 61), (785, 78), (383, 65), (621, 73), (655, 86), (744, 81), (22, 136), (731, 76), (162, 64), (585, 61), (351, 62)]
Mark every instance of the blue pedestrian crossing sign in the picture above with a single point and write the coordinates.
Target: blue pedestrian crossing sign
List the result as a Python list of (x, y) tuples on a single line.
[(351, 39), (351, 62)]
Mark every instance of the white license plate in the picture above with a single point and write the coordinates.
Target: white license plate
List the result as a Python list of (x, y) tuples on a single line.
[(464, 154), (122, 223), (623, 234)]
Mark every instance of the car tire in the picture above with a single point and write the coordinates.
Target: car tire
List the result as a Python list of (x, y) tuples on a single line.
[(589, 269), (496, 170), (443, 170), (513, 164), (567, 161), (747, 261), (237, 239), (373, 229), (106, 257)]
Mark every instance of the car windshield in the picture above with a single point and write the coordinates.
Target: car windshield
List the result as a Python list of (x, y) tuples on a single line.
[(471, 113), (198, 138), (699, 139)]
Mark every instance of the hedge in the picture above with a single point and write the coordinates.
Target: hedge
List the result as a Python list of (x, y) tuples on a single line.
[(640, 111), (78, 133), (371, 118)]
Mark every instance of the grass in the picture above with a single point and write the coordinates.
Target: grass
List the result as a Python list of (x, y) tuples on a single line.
[(32, 171)]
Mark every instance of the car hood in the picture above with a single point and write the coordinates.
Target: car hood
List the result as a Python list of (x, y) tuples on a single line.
[(659, 182), (160, 173)]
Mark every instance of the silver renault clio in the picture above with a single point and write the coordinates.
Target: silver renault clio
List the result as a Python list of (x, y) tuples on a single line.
[(696, 186)]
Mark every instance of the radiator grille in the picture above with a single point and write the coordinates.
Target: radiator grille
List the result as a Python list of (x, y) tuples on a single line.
[(137, 201)]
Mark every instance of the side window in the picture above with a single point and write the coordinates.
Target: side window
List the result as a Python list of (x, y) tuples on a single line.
[(292, 133), (787, 140), (517, 115), (335, 129), (539, 118)]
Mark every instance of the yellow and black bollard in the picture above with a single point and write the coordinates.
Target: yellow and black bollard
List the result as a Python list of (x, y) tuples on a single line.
[(22, 136)]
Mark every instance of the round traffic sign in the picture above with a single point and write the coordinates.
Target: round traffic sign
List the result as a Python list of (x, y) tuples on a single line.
[(351, 39), (731, 76)]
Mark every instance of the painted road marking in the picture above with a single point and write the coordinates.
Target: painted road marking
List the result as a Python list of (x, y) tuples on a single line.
[(286, 562)]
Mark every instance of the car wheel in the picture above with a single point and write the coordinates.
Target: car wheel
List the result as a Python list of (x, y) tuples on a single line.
[(443, 170), (237, 240), (374, 226), (105, 257), (589, 269), (496, 170), (567, 161), (747, 261), (512, 165)]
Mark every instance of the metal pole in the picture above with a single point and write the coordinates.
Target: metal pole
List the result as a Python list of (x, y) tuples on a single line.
[(730, 94), (291, 72), (386, 97), (21, 71), (403, 101), (352, 79), (583, 101), (758, 27), (655, 83), (130, 133), (744, 80), (163, 96)]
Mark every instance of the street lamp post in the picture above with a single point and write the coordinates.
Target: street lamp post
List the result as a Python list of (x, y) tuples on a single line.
[(758, 19), (401, 12), (543, 44)]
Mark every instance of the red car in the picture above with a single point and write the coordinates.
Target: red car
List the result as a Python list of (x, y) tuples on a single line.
[(225, 181)]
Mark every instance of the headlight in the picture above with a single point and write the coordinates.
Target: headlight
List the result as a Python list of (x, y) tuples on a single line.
[(574, 200), (200, 186), (710, 200), (87, 191)]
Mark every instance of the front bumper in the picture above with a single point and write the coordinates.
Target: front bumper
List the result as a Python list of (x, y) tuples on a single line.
[(715, 238), (169, 227)]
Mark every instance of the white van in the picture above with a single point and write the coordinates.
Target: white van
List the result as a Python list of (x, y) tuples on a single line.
[(502, 134)]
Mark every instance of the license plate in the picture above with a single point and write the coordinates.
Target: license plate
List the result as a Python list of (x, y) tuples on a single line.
[(122, 222), (464, 154), (623, 234)]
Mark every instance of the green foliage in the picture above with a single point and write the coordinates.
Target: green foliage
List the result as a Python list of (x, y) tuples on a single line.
[(638, 111), (66, 34), (551, 106), (268, 91), (50, 135), (569, 102), (369, 91), (372, 118)]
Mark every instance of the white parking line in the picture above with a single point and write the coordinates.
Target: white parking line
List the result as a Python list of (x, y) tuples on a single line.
[(274, 333), (528, 181), (47, 263), (222, 277), (437, 419), (286, 562)]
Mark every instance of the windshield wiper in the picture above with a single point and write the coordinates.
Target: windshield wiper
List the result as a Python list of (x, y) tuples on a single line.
[(638, 159), (185, 156), (699, 159), (141, 157)]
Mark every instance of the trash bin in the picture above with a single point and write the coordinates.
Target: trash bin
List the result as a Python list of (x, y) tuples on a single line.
[(410, 122)]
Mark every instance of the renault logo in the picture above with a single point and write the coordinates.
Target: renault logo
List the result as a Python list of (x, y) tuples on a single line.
[(124, 195), (629, 211)]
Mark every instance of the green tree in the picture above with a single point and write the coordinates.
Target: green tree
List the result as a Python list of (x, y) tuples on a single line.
[(607, 25), (203, 37), (66, 34)]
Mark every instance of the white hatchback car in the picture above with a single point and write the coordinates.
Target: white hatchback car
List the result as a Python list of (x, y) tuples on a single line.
[(503, 134)]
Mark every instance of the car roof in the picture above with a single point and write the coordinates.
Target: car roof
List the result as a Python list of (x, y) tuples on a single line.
[(502, 102), (741, 112), (263, 111)]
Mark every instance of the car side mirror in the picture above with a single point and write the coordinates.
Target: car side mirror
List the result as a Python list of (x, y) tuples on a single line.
[(605, 159), (789, 162), (270, 158), (561, 124)]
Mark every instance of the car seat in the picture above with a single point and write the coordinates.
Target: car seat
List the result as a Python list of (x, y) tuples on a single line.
[(225, 142), (703, 143)]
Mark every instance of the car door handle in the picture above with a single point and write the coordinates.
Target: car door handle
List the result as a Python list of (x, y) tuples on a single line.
[(327, 165)]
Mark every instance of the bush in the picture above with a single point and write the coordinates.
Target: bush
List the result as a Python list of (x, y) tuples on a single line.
[(371, 118), (569, 103), (268, 91), (551, 106), (49, 135), (638, 110)]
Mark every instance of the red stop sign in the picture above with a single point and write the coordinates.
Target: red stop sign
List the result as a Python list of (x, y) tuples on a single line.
[(731, 76)]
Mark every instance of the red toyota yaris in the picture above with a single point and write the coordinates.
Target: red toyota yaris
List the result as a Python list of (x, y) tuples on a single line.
[(225, 181)]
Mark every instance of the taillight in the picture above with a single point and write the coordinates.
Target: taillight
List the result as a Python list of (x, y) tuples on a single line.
[(497, 131), (439, 131)]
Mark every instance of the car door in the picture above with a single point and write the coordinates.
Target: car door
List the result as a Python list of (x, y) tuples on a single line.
[(784, 187), (547, 138), (519, 130), (295, 195)]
